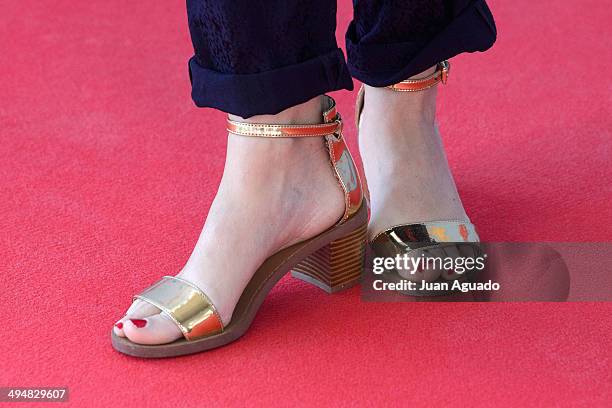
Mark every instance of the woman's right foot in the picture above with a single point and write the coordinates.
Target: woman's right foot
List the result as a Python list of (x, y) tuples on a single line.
[(273, 193)]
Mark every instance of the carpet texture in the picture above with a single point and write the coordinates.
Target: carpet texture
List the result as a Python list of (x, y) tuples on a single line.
[(107, 172)]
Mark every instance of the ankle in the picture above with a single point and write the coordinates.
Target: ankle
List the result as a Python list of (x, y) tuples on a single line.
[(280, 154), (268, 164), (405, 108), (410, 108), (307, 113)]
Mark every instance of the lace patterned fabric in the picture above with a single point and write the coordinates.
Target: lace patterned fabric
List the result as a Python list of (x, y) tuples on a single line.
[(244, 36), (262, 57)]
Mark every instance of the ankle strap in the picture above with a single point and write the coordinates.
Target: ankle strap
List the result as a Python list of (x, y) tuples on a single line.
[(332, 124), (264, 130), (415, 85)]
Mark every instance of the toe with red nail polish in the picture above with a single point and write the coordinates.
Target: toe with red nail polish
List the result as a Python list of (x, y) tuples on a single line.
[(140, 323), (119, 325)]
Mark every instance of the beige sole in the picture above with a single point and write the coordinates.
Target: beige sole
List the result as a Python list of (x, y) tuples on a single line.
[(333, 260)]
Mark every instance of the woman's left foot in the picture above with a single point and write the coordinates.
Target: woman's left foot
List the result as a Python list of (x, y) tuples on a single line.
[(404, 160)]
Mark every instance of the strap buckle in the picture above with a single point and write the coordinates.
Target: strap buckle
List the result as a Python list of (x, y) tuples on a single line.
[(415, 85), (337, 134), (444, 71)]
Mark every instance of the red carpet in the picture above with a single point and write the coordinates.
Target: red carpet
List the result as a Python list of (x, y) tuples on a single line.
[(107, 170)]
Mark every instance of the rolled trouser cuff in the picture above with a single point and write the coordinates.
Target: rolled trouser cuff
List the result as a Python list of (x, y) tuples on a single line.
[(473, 29), (269, 92)]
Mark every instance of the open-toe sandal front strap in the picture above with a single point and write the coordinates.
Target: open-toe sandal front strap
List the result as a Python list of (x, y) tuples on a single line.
[(186, 305), (402, 237)]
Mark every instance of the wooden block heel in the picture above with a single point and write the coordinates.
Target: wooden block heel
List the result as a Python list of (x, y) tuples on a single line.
[(336, 266)]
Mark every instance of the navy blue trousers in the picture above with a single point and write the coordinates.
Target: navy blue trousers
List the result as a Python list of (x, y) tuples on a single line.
[(261, 57)]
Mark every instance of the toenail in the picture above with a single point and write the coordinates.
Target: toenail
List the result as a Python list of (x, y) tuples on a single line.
[(140, 323), (119, 325)]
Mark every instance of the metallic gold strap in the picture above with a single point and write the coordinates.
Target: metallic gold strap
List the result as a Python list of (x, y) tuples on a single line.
[(428, 232), (435, 239), (186, 305), (332, 124), (264, 130), (415, 85)]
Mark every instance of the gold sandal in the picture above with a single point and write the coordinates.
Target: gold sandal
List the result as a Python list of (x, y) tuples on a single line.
[(332, 260), (433, 239)]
